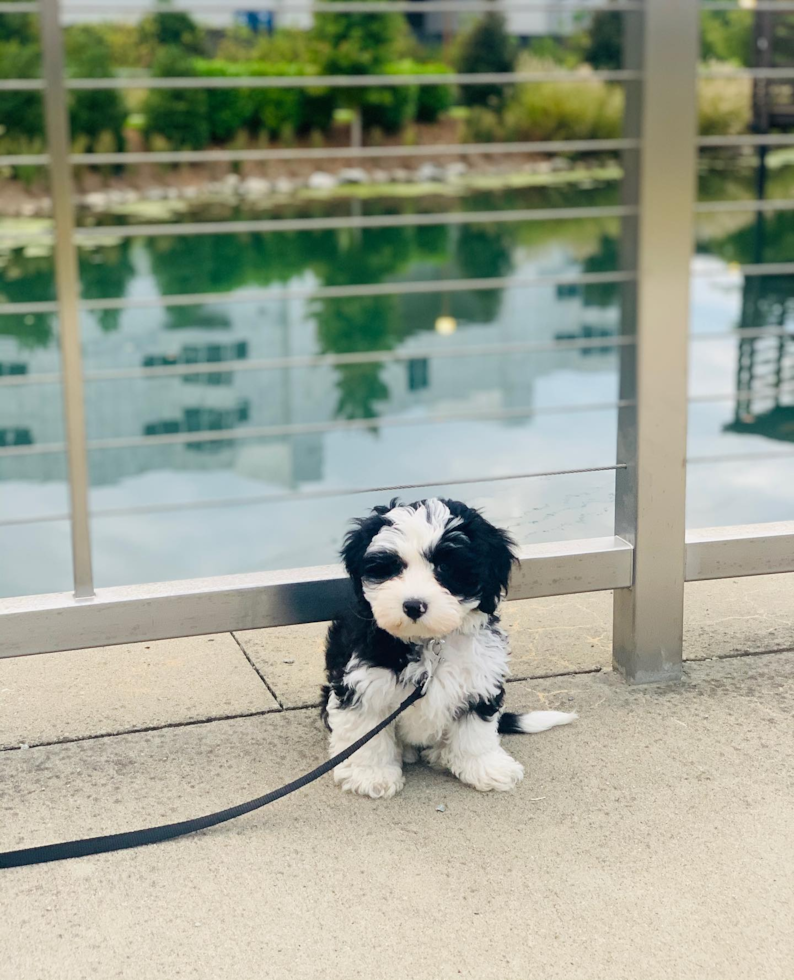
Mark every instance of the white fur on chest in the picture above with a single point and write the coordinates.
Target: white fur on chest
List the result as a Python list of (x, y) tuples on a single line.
[(473, 665)]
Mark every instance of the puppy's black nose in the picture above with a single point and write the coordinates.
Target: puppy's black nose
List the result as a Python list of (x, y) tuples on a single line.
[(414, 608)]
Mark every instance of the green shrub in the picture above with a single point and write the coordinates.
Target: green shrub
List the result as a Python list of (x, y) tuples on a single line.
[(317, 108), (549, 111), (389, 108), (229, 109), (278, 112), (21, 113), (483, 126), (434, 100), (273, 108), (180, 115), (724, 106)]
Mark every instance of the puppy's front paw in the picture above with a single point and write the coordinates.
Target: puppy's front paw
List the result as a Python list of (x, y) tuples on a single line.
[(378, 783), (495, 771)]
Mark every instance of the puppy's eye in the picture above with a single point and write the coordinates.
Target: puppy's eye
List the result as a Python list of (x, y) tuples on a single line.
[(382, 565)]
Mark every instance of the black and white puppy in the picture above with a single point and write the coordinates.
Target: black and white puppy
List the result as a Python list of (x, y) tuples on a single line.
[(427, 578)]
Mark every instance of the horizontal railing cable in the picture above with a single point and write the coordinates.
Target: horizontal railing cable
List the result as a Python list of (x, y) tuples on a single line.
[(282, 7), (424, 219), (748, 269), (354, 153), (279, 294), (383, 152), (327, 153), (323, 81), (306, 428), (271, 498), (715, 207), (741, 457), (741, 394), (24, 159), (259, 499), (269, 225), (747, 139), (387, 289), (327, 360), (770, 74), (565, 76), (745, 333), (299, 361), (748, 6)]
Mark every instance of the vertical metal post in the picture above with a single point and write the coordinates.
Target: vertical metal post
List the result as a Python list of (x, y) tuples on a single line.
[(67, 280), (650, 494)]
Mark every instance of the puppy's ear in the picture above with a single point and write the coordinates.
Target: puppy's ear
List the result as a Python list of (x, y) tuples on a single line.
[(492, 554), (498, 560), (358, 539)]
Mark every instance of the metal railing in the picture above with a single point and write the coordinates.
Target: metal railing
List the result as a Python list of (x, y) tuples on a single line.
[(650, 556)]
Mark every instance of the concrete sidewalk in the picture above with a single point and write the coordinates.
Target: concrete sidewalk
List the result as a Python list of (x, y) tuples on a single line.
[(652, 839)]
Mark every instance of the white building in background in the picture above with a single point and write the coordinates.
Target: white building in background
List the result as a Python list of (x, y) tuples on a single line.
[(520, 22)]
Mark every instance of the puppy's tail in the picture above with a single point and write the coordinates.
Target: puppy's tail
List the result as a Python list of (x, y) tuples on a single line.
[(533, 722)]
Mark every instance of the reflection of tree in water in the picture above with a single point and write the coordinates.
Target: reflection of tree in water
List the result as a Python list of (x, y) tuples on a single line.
[(605, 259), (361, 324), (104, 272), (25, 280)]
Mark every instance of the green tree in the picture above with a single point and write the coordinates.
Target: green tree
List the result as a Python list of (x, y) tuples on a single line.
[(180, 115), (18, 27), (21, 113), (94, 112), (726, 37), (360, 44), (603, 45), (171, 29), (486, 47)]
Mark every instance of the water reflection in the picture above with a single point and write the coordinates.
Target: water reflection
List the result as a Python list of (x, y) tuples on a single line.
[(413, 380)]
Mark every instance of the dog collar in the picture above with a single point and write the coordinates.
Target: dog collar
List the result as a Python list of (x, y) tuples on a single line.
[(433, 649)]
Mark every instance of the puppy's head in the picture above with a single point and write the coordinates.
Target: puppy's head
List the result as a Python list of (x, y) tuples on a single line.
[(423, 567)]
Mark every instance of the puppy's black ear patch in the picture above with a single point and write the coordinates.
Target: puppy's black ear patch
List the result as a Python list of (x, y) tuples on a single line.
[(358, 539), (492, 554), (498, 564)]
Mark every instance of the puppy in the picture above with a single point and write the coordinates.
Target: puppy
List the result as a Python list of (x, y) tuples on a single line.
[(427, 580)]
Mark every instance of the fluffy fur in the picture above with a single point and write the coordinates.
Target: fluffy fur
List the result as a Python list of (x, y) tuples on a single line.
[(427, 580)]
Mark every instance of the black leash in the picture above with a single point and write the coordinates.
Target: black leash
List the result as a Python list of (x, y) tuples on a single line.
[(153, 835)]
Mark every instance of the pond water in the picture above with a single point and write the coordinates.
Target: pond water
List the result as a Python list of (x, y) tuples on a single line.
[(199, 506)]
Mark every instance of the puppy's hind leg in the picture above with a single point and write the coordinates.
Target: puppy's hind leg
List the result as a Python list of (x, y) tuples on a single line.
[(471, 751)]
